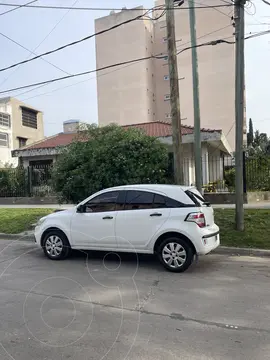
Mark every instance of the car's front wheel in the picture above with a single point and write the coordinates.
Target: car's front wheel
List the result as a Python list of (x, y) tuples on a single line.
[(56, 245), (175, 254)]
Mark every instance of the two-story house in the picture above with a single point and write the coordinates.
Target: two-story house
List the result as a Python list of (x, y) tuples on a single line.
[(20, 125)]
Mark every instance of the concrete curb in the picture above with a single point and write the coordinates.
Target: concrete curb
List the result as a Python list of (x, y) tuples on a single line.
[(234, 251), (24, 236)]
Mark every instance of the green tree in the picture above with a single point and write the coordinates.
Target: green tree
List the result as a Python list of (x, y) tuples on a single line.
[(108, 156), (250, 134)]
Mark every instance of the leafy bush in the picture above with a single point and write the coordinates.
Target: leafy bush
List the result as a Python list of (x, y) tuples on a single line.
[(108, 156), (230, 179), (13, 182), (257, 174)]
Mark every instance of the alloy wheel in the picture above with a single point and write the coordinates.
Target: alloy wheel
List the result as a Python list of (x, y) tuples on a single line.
[(54, 246), (174, 255)]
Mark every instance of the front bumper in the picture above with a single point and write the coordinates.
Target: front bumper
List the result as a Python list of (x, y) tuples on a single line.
[(38, 234)]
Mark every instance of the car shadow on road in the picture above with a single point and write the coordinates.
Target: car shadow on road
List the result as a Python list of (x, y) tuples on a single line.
[(114, 258), (143, 261)]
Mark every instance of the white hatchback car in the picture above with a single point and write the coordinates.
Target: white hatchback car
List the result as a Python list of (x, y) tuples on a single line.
[(171, 221)]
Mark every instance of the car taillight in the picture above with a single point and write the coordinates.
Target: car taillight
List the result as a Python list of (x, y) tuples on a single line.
[(196, 217)]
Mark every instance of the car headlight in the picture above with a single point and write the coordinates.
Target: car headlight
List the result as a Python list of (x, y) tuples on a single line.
[(41, 221)]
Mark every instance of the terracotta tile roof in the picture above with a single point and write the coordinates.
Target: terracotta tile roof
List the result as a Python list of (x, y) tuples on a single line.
[(61, 139), (156, 129)]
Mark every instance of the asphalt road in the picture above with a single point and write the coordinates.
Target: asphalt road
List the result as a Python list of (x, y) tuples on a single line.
[(93, 306)]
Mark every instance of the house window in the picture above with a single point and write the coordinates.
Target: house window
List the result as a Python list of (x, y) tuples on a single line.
[(168, 116), (4, 119), (167, 97), (166, 77), (3, 139), (165, 58), (29, 118), (22, 142)]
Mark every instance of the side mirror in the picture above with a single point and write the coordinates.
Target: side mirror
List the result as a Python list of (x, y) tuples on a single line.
[(80, 209)]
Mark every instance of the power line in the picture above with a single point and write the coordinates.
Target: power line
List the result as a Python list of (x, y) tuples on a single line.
[(17, 7), (80, 74), (266, 2), (75, 42), (214, 42), (41, 42), (70, 85), (106, 9), (210, 43), (210, 33), (48, 92), (32, 52), (38, 87), (258, 34)]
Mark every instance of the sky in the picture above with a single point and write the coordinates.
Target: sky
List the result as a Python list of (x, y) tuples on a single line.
[(77, 98)]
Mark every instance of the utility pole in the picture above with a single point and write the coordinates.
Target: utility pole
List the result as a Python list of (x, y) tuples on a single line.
[(196, 101), (239, 16), (174, 95)]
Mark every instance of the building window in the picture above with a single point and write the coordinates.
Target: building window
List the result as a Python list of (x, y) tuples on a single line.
[(167, 97), (22, 142), (4, 139), (165, 39), (166, 77), (29, 118), (4, 119), (163, 25), (168, 116), (165, 58)]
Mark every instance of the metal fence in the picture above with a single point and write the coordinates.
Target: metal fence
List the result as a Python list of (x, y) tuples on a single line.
[(22, 182), (218, 176), (220, 173)]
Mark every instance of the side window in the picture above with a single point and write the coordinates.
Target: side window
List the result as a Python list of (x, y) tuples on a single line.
[(159, 202), (102, 203), (138, 200), (171, 203)]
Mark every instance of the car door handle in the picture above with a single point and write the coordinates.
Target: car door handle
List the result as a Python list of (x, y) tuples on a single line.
[(156, 214), (107, 218)]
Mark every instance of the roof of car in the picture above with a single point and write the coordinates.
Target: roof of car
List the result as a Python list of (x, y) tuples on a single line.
[(161, 187)]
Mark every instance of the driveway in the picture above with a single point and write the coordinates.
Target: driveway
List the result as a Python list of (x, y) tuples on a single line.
[(94, 306)]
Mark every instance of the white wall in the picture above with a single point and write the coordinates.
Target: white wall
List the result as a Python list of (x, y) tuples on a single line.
[(5, 152)]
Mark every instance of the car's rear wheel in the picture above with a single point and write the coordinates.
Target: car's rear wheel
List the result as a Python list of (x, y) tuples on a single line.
[(56, 245), (175, 254)]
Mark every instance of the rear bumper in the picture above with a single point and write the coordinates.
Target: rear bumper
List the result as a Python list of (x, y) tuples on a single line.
[(208, 241)]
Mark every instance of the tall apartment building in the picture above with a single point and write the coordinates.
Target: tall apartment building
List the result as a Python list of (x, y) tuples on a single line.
[(140, 92), (20, 125)]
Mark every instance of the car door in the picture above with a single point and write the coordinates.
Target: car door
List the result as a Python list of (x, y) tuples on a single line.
[(144, 213), (94, 227)]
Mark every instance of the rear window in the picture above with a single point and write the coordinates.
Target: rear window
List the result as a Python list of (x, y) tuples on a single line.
[(196, 198)]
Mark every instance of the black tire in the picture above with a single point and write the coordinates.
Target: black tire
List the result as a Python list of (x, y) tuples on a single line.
[(182, 255), (61, 242)]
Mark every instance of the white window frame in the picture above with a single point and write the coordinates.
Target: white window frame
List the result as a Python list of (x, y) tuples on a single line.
[(166, 77), (4, 135), (167, 97), (4, 119)]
